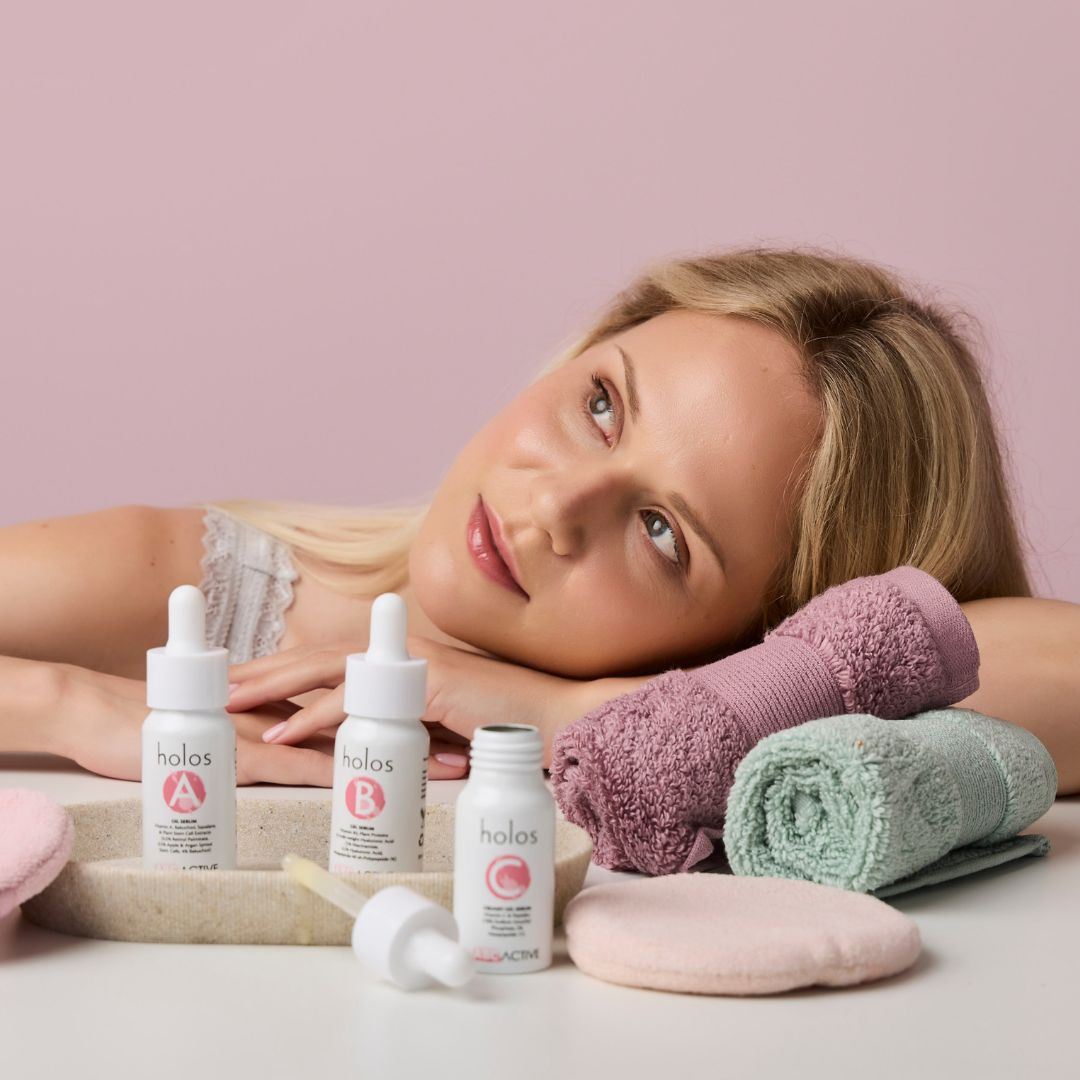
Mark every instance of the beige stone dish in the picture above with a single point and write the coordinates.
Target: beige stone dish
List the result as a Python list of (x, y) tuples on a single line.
[(104, 892)]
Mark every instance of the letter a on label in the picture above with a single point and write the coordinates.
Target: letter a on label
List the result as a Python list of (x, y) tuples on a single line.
[(184, 791)]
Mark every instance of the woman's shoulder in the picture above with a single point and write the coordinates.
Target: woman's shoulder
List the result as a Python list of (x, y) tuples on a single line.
[(178, 519), (157, 537), (91, 589)]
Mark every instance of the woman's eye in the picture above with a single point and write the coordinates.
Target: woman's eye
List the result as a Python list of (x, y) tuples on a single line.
[(676, 555), (675, 558), (601, 393)]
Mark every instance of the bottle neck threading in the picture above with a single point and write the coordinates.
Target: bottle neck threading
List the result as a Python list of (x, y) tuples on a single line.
[(515, 749), (518, 770)]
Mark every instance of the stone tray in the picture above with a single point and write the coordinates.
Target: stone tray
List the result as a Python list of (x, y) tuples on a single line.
[(104, 892)]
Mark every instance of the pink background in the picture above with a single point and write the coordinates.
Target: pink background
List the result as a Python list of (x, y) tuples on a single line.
[(306, 250)]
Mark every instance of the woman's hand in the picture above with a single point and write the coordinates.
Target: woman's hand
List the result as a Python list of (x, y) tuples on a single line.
[(100, 727), (322, 668), (465, 690)]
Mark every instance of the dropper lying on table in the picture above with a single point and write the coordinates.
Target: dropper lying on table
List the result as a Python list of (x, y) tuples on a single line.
[(408, 939)]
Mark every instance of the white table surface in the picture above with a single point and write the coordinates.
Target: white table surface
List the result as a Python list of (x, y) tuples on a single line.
[(994, 994)]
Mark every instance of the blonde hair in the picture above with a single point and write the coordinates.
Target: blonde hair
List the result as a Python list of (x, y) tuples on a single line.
[(907, 468)]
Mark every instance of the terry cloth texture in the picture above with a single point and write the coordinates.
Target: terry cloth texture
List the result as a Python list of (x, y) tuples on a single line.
[(247, 581), (648, 773), (708, 934), (36, 835), (886, 806)]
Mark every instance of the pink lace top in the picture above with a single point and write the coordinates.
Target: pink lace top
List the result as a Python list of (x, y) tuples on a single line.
[(247, 580)]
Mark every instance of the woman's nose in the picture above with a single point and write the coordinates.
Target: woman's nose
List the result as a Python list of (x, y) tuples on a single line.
[(573, 503)]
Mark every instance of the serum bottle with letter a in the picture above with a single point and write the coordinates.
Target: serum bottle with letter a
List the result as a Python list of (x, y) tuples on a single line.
[(381, 752), (504, 852), (188, 747)]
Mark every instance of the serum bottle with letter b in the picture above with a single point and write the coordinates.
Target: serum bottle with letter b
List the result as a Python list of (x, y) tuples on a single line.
[(188, 747), (504, 853), (381, 752)]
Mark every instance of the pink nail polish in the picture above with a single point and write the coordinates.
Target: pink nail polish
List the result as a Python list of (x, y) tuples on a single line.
[(232, 687), (274, 732), (456, 761)]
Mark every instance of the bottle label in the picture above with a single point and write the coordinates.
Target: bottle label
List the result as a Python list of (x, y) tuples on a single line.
[(189, 804), (378, 810), (504, 890)]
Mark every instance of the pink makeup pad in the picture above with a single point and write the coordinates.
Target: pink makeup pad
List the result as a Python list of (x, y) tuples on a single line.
[(724, 934), (36, 835)]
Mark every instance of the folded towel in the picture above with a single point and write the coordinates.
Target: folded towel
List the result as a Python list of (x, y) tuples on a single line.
[(885, 806), (647, 774)]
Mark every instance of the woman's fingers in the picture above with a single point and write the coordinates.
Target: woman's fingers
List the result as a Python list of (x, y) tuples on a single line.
[(251, 669), (448, 761), (315, 672), (259, 666), (327, 712), (277, 710), (301, 766), (310, 764), (449, 754)]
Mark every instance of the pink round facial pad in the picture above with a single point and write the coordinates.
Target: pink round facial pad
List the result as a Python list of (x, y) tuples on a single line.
[(725, 934), (36, 835)]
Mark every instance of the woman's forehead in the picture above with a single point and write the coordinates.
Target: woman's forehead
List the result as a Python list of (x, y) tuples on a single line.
[(730, 341)]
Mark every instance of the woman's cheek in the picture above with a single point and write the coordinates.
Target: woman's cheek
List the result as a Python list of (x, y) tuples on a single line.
[(541, 440)]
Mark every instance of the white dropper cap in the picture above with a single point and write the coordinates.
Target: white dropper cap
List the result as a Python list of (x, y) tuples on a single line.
[(184, 673), (385, 683), (408, 939)]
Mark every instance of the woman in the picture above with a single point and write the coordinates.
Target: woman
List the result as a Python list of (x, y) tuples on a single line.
[(737, 433)]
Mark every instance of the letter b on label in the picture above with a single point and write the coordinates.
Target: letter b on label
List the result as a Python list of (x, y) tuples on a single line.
[(364, 797)]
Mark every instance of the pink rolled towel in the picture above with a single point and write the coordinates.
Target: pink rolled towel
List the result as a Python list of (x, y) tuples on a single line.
[(647, 774)]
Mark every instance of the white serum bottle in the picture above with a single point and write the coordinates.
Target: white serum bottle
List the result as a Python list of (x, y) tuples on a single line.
[(381, 752), (504, 853), (188, 747)]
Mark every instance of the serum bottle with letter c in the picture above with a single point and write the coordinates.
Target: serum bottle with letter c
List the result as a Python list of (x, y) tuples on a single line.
[(381, 751), (504, 853), (188, 747)]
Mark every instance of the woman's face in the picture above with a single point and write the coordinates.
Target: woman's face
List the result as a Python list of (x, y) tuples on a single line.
[(604, 512)]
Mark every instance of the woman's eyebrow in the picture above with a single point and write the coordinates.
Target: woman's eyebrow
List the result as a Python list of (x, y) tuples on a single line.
[(680, 504), (630, 378)]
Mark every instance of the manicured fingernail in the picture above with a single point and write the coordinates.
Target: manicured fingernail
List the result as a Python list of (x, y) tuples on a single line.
[(232, 687), (455, 761), (271, 734)]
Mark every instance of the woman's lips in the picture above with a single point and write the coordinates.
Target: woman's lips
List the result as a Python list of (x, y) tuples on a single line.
[(485, 553), (498, 538)]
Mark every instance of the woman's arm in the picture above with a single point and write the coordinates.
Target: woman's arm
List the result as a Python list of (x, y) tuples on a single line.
[(29, 696), (1029, 673), (92, 589), (96, 719)]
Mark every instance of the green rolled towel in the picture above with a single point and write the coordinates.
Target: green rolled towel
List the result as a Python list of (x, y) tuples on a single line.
[(885, 806)]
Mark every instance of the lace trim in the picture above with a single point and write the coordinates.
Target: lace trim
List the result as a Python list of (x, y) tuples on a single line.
[(279, 598), (216, 575), (247, 581)]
